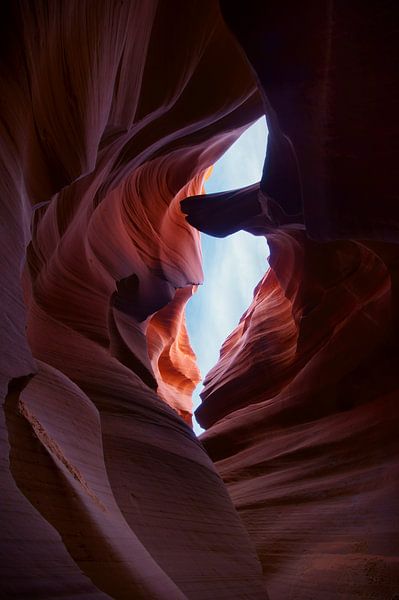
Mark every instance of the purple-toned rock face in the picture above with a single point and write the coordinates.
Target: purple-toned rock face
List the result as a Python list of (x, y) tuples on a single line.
[(301, 409), (110, 115), (106, 125)]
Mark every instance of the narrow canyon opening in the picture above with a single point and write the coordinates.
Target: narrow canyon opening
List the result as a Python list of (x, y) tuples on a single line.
[(233, 265), (111, 113)]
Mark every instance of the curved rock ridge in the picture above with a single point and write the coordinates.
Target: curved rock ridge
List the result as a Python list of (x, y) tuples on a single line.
[(105, 127), (305, 302), (301, 409), (302, 421), (171, 355), (111, 114)]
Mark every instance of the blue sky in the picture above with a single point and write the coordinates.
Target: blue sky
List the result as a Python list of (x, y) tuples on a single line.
[(233, 265)]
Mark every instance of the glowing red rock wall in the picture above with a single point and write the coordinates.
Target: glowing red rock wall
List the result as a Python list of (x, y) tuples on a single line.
[(106, 124)]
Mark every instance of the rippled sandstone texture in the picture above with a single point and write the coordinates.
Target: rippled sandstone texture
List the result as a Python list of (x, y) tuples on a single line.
[(301, 410), (110, 114)]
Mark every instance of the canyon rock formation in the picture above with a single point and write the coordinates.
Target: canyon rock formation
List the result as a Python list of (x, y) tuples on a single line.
[(301, 409), (106, 491), (111, 113)]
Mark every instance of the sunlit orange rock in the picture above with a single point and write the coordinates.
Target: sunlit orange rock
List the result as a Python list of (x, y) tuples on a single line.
[(171, 355)]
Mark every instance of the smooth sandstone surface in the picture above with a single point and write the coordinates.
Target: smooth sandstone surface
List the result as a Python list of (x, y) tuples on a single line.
[(301, 409), (301, 419), (110, 115), (106, 491)]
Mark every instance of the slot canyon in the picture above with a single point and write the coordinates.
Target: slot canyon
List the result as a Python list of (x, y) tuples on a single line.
[(111, 114)]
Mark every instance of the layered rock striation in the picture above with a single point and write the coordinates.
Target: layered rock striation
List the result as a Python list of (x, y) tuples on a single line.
[(301, 420), (106, 125), (301, 409), (110, 115)]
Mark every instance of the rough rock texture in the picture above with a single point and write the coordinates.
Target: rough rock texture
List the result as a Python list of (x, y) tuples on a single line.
[(106, 124), (301, 409)]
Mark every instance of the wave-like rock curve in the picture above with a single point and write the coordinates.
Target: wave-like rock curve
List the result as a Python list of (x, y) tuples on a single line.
[(300, 410), (106, 492)]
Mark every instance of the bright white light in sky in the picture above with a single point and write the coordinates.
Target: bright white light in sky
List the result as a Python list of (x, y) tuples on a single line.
[(233, 265)]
